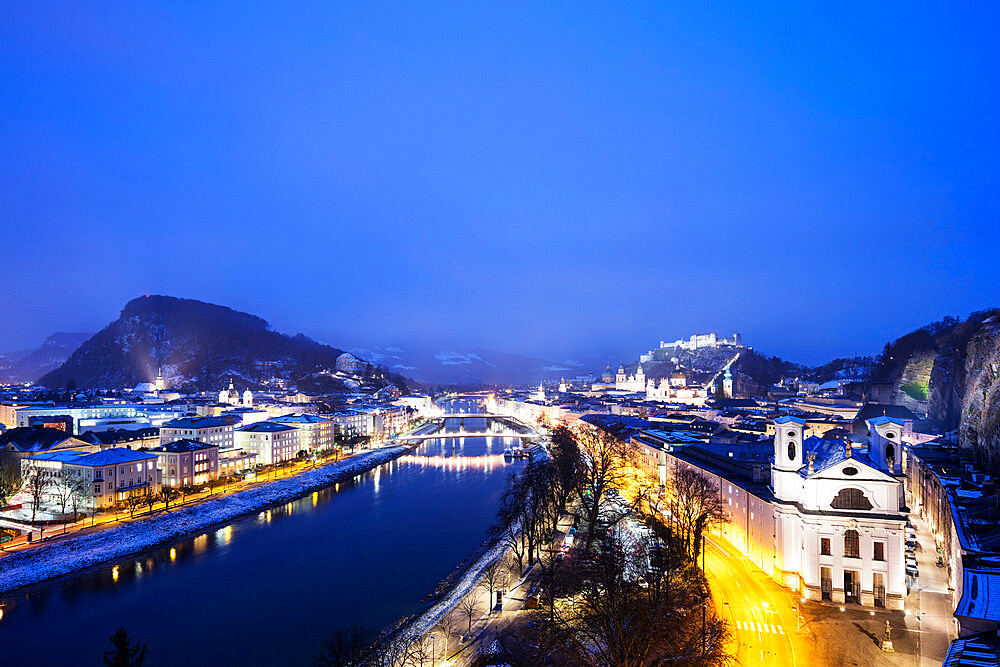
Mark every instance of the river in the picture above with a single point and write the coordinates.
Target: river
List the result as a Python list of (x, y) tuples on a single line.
[(268, 588)]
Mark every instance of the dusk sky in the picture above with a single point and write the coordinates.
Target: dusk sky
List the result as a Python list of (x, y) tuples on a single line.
[(542, 179)]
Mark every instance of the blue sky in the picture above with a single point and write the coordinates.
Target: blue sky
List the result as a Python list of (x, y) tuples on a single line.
[(547, 178)]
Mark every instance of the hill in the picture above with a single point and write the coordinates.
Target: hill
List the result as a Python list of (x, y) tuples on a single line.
[(198, 346), (29, 365)]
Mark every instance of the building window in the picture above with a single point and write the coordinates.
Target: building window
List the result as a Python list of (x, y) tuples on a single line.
[(851, 499), (879, 551), (824, 546), (852, 544)]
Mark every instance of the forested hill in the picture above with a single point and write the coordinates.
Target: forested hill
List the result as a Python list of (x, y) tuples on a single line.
[(198, 346)]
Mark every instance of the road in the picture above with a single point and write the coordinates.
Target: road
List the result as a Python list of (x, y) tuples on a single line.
[(108, 519), (763, 616)]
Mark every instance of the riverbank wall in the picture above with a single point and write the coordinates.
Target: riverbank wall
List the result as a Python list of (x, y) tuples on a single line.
[(77, 553)]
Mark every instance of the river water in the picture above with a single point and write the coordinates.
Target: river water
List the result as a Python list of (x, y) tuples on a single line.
[(267, 588)]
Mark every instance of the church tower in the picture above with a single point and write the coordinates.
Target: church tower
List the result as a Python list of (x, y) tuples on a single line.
[(160, 383), (785, 479), (562, 386), (885, 445), (727, 384), (620, 378), (540, 394), (248, 398), (640, 378)]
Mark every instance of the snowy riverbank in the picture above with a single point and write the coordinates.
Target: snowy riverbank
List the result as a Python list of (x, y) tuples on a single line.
[(76, 553), (426, 621)]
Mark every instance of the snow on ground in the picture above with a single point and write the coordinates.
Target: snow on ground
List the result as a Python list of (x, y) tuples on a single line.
[(75, 553), (425, 622)]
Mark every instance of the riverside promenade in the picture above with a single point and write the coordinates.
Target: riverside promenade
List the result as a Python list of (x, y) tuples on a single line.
[(52, 558)]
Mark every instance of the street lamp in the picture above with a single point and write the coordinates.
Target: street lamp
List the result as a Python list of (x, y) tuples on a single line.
[(433, 650)]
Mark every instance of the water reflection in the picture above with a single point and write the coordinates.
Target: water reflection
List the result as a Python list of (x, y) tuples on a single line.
[(364, 551)]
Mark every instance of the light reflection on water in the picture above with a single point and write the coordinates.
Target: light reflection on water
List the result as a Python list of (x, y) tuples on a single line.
[(362, 552)]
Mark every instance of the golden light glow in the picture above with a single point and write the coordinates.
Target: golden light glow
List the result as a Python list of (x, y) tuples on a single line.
[(114, 573), (486, 462), (173, 554)]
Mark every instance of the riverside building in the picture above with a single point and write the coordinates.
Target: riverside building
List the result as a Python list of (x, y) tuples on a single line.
[(100, 479), (187, 463)]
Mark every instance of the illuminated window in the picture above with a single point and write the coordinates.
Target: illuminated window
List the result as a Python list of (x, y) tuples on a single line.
[(878, 551), (824, 546), (852, 544)]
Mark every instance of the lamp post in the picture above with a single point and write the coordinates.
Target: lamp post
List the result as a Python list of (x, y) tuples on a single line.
[(704, 603), (433, 650)]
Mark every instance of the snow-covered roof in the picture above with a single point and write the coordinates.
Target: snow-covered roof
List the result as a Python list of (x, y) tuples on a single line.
[(106, 457), (788, 419), (879, 421), (980, 595), (831, 451)]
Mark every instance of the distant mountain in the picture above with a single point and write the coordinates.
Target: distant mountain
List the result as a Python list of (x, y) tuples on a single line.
[(29, 365), (198, 346), (461, 365)]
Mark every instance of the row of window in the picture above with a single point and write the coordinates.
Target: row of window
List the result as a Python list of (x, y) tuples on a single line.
[(852, 546)]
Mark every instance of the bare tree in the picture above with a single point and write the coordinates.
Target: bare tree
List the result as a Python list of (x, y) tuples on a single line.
[(507, 526), (123, 653), (10, 480), (149, 499), (493, 578), (447, 627), (35, 483), (619, 619), (133, 503), (167, 495), (345, 648), (63, 489), (697, 505), (418, 653), (78, 495), (469, 607), (566, 462), (604, 465)]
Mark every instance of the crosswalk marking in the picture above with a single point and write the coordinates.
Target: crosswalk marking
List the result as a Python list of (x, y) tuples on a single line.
[(763, 628)]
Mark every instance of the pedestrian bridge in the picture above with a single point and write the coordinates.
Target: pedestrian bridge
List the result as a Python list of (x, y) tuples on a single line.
[(465, 415), (514, 427), (470, 434)]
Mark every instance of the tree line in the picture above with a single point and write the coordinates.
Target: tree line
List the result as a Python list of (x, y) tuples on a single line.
[(622, 596)]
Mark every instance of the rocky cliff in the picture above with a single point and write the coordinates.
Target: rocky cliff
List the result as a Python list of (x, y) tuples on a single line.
[(930, 368), (979, 427)]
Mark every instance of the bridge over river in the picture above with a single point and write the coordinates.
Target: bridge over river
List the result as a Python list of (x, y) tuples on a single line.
[(514, 427)]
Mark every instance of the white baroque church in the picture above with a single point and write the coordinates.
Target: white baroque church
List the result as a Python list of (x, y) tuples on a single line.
[(232, 397), (673, 389), (840, 514)]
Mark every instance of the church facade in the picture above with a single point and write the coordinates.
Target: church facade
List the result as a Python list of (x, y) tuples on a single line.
[(829, 521), (232, 397), (672, 389), (840, 515)]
